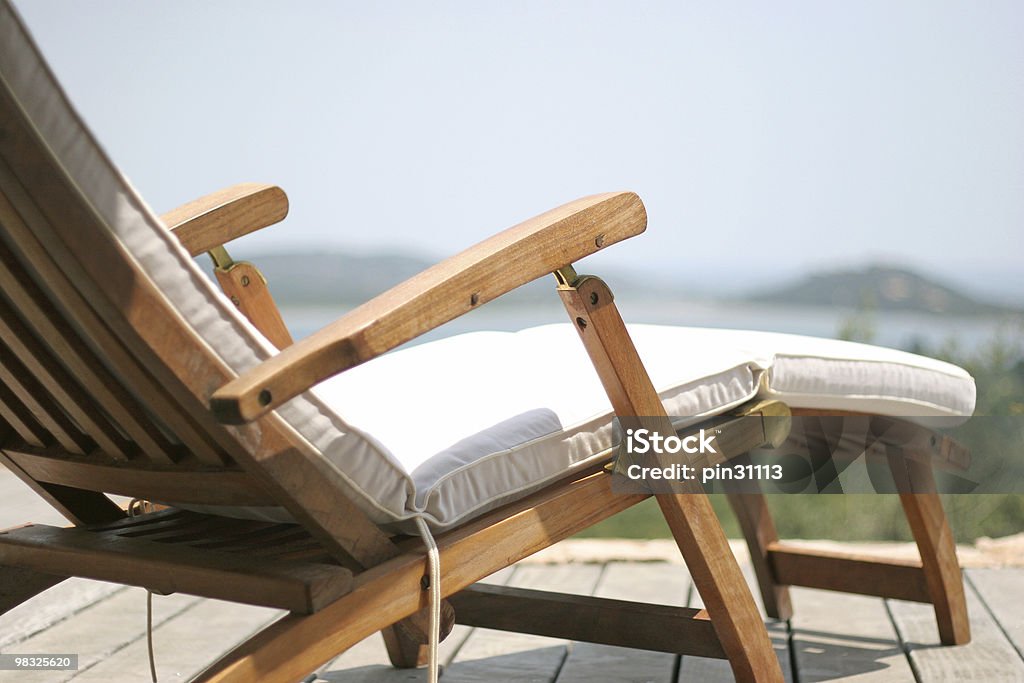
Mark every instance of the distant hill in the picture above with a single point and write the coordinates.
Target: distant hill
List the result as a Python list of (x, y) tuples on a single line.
[(880, 288)]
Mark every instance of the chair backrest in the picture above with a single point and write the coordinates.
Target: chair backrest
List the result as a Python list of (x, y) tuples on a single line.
[(106, 360)]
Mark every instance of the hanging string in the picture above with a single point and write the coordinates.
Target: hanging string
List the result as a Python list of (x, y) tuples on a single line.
[(434, 569), (137, 507)]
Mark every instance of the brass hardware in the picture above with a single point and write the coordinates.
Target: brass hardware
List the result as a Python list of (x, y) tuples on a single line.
[(221, 259), (474, 299), (245, 280), (566, 276)]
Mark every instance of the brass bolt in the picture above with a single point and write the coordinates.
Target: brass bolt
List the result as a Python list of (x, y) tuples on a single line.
[(593, 298), (235, 301), (245, 280), (582, 323)]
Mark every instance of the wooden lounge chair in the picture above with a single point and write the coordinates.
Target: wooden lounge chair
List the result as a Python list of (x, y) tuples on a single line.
[(123, 372)]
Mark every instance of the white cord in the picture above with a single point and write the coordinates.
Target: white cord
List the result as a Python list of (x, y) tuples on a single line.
[(434, 567), (136, 507)]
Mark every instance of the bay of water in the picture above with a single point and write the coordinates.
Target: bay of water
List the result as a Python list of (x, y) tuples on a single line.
[(893, 329)]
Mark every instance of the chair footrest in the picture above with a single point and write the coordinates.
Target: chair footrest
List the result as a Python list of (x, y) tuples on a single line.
[(678, 630), (170, 558)]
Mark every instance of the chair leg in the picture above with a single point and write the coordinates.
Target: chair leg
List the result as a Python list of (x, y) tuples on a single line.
[(404, 650), (405, 642), (720, 583), (936, 545), (755, 520)]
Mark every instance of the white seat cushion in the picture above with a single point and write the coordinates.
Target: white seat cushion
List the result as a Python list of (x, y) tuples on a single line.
[(455, 427), (485, 417)]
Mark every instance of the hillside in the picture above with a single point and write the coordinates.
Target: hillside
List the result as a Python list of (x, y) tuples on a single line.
[(881, 288)]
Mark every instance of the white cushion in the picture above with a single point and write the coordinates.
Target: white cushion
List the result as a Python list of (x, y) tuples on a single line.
[(485, 417), (458, 426)]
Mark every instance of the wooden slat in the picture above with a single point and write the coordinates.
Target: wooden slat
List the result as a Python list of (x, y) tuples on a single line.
[(652, 582), (1002, 591), (662, 628), (166, 568), (838, 636), (147, 389), (294, 646), (505, 656), (21, 420), (171, 484), (88, 269), (77, 505), (64, 389), (105, 389), (33, 396), (988, 657), (848, 572)]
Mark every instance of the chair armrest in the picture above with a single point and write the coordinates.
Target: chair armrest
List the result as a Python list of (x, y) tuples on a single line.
[(445, 291), (218, 218)]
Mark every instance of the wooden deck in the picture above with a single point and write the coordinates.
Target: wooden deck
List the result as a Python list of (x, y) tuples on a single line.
[(833, 637)]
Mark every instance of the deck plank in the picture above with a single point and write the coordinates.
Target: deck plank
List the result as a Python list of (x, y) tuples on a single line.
[(51, 607), (659, 582), (96, 632), (848, 637), (489, 655), (988, 657), (1002, 591), (179, 651), (705, 669)]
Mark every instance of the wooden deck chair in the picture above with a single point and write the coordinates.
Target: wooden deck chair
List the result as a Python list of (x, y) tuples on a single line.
[(123, 371)]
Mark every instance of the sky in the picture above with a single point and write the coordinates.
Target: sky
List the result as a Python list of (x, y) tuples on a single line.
[(766, 139)]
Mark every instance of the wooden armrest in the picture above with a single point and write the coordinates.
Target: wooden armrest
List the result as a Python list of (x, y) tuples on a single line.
[(445, 291), (218, 218)]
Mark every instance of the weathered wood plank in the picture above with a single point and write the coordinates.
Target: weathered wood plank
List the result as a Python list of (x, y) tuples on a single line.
[(840, 636), (50, 607), (1002, 591), (97, 632), (654, 583), (625, 623), (988, 657), (183, 644), (712, 670), (499, 656)]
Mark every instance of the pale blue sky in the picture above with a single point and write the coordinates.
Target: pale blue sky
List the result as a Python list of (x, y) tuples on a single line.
[(765, 138)]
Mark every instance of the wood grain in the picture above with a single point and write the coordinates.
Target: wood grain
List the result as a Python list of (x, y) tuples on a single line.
[(694, 526), (217, 218), (447, 290)]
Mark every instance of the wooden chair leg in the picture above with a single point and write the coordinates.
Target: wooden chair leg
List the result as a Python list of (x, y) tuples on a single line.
[(405, 644), (935, 542), (404, 650), (720, 583), (758, 529)]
